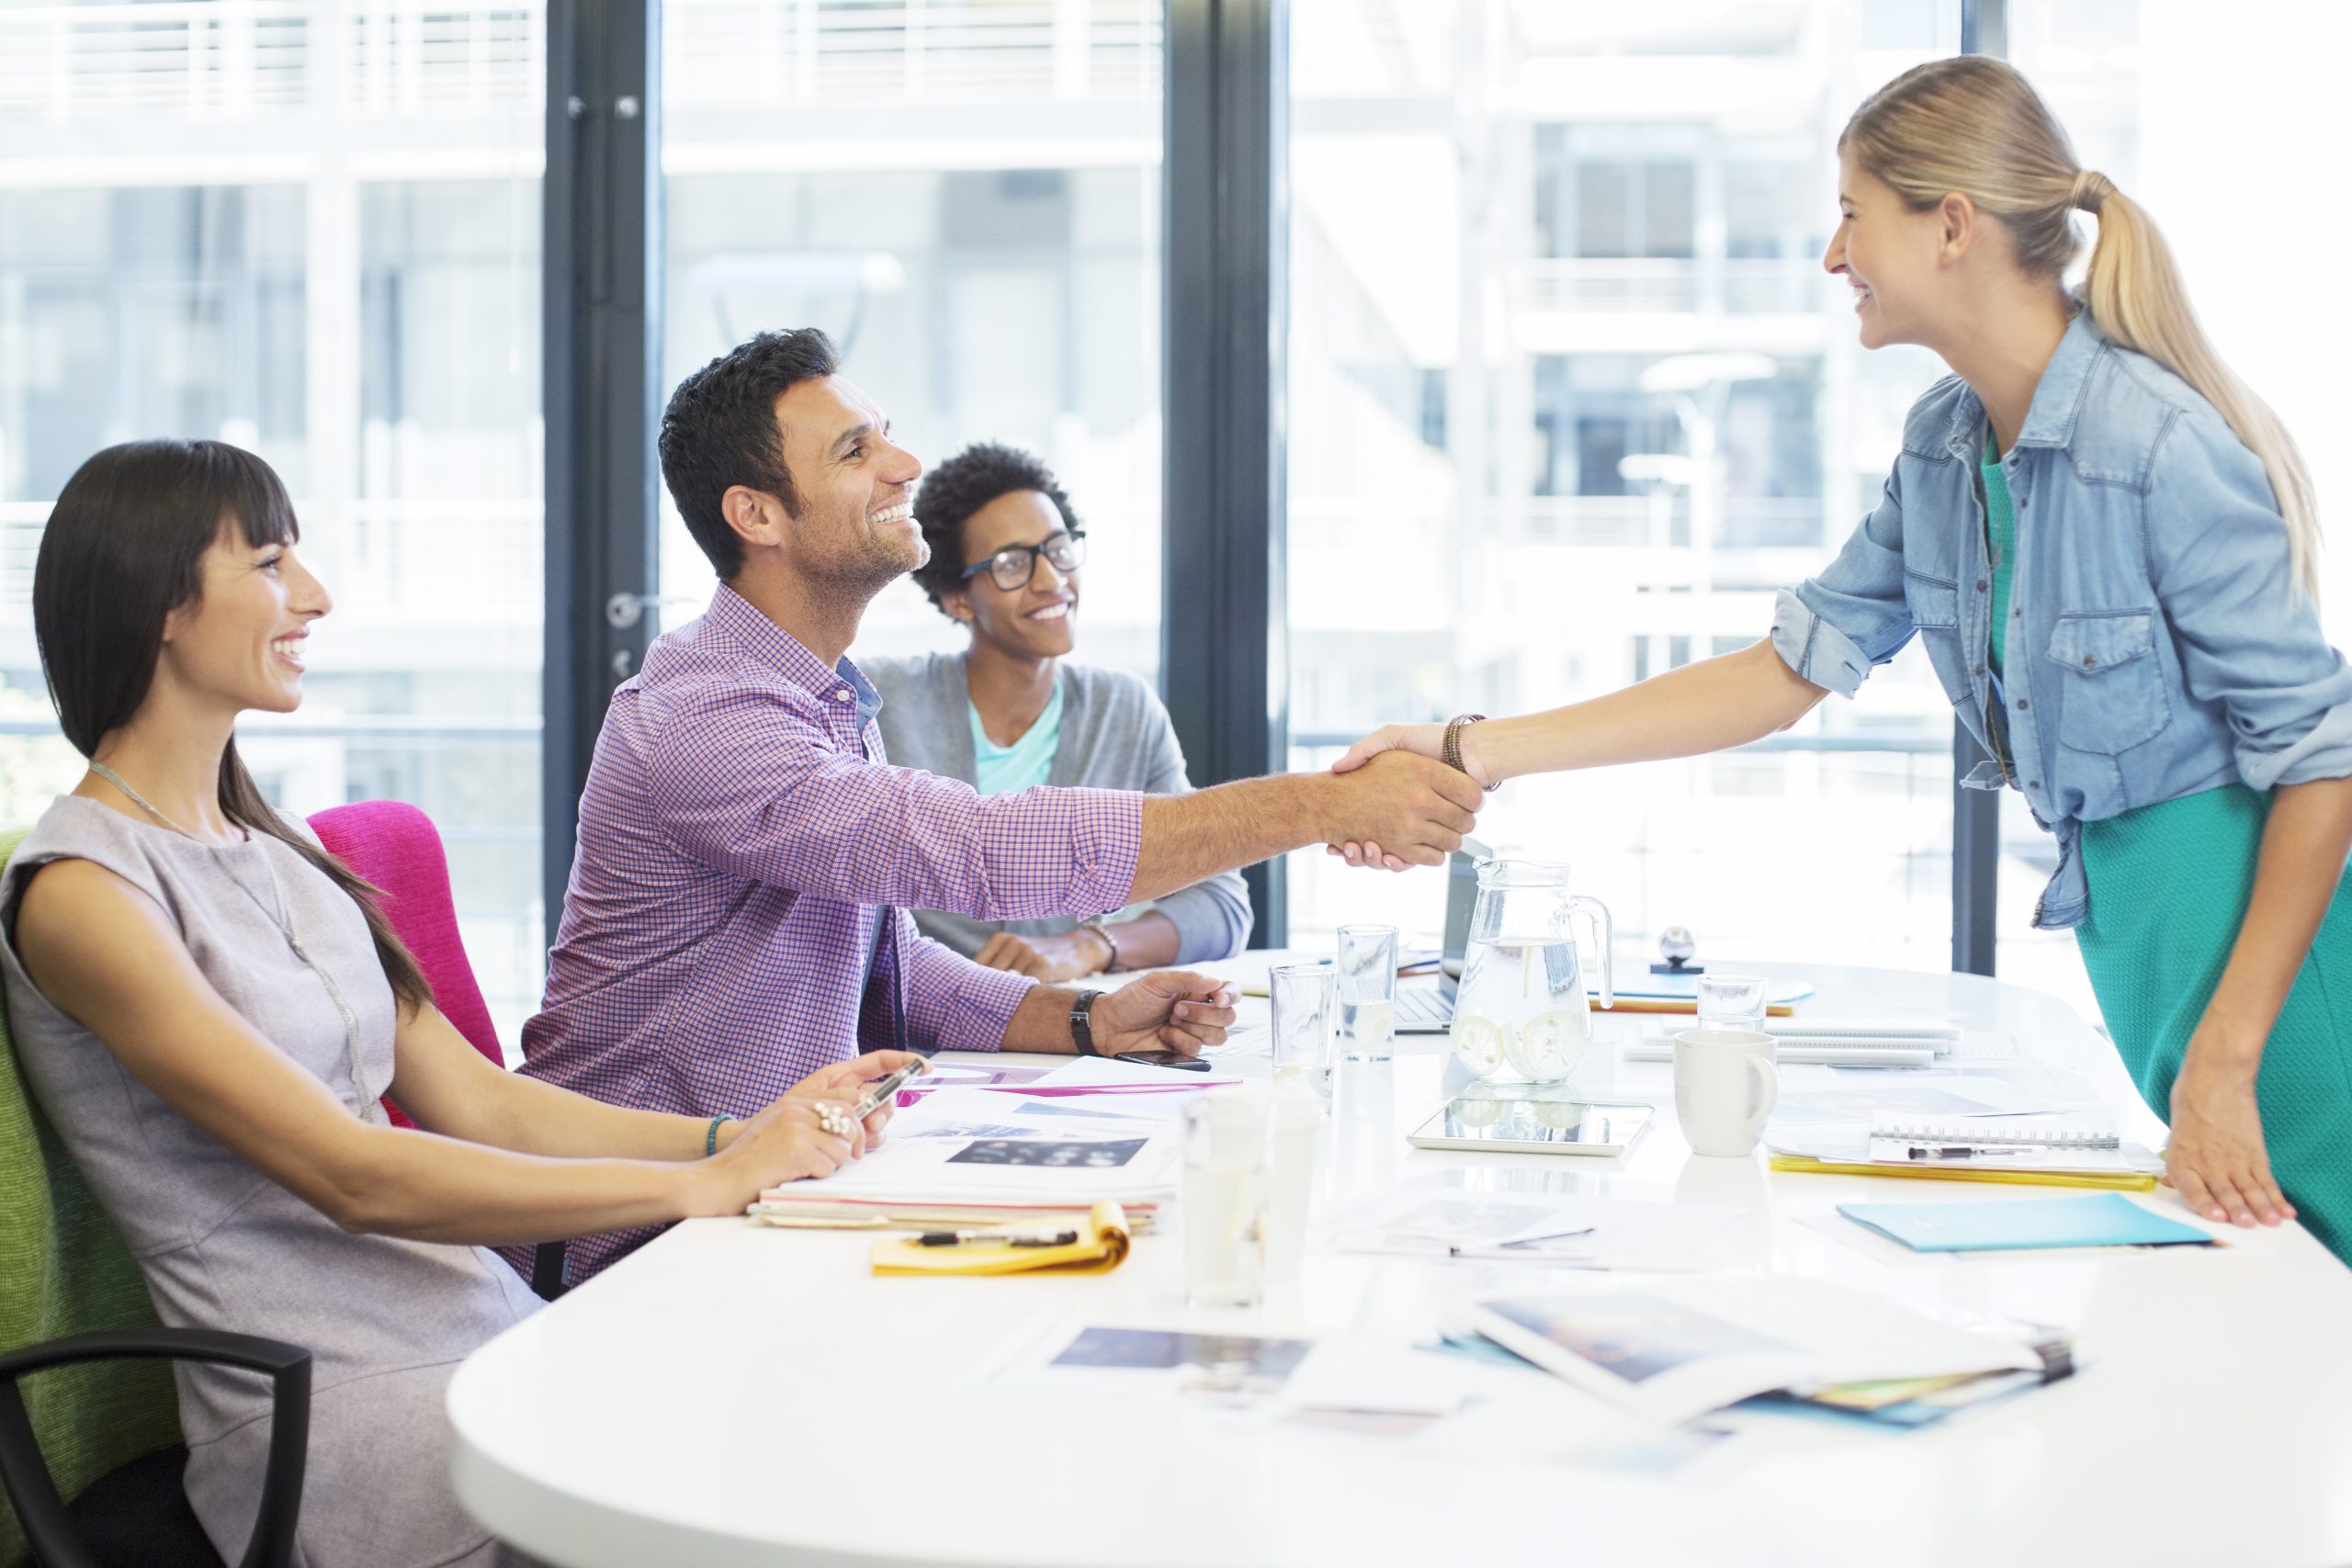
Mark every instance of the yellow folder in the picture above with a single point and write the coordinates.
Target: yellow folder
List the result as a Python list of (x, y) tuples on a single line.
[(1101, 1246), (2121, 1180)]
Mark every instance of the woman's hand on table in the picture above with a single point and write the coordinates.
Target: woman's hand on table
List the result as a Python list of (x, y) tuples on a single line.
[(796, 1138), (845, 1084), (2216, 1157), (1069, 957)]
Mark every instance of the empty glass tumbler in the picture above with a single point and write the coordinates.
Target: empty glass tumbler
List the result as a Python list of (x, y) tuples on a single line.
[(1227, 1196), (1731, 1002), (1305, 999), (1367, 992)]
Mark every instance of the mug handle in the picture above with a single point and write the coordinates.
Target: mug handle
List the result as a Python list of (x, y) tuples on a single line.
[(1768, 1083)]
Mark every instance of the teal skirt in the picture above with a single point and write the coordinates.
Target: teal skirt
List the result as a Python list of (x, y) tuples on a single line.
[(2169, 887)]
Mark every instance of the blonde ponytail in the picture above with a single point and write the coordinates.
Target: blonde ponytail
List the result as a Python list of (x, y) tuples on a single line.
[(1973, 125)]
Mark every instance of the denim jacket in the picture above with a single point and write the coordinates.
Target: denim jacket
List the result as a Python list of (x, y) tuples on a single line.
[(2157, 643)]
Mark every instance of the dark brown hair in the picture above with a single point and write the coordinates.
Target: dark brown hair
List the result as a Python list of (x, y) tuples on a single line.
[(720, 431), (124, 547)]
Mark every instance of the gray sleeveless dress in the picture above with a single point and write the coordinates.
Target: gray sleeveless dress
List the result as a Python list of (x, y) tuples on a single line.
[(223, 1247)]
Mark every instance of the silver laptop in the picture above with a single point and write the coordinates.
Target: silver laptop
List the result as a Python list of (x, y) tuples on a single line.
[(1426, 1006)]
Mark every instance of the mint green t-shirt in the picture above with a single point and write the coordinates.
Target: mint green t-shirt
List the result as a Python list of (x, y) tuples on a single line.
[(2001, 535), (1000, 770)]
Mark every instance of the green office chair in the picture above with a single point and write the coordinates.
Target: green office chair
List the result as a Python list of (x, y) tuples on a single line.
[(90, 1448)]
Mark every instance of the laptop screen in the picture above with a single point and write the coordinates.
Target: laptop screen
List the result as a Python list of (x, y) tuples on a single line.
[(1461, 898)]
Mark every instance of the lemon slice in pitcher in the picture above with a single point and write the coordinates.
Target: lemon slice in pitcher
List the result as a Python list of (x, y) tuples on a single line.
[(1550, 1045), (1479, 1043)]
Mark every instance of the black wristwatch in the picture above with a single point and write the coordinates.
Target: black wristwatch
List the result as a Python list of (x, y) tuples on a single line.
[(1081, 1029)]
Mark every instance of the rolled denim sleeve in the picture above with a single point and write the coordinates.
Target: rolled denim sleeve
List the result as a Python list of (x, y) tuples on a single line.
[(1833, 627), (2247, 635)]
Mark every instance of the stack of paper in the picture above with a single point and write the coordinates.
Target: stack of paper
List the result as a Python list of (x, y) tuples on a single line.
[(1674, 1349), (959, 1152)]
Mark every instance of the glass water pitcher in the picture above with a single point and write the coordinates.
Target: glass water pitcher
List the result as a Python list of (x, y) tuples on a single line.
[(1519, 1014)]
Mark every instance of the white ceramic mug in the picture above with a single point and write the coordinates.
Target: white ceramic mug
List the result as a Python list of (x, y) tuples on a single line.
[(1724, 1087)]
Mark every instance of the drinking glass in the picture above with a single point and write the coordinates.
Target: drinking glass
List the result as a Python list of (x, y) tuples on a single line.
[(1367, 992), (1731, 1002), (1306, 1000), (1227, 1185)]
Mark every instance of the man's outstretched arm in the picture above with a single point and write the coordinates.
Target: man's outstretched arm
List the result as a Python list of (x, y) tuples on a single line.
[(1427, 805)]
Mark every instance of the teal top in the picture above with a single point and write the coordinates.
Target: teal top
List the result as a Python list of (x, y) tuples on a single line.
[(2169, 886), (1001, 770), (2000, 537)]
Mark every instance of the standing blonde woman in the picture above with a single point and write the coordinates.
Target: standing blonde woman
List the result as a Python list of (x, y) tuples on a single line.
[(2106, 543)]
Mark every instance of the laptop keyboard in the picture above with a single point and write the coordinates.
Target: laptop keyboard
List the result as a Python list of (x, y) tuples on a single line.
[(1423, 1005)]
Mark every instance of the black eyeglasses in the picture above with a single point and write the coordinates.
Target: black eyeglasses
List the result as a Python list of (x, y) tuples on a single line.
[(1013, 567)]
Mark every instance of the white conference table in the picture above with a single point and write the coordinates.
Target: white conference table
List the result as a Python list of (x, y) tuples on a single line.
[(733, 1394)]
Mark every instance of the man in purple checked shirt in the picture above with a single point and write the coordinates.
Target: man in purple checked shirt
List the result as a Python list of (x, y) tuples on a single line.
[(737, 914)]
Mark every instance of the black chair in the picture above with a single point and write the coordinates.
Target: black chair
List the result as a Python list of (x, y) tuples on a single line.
[(137, 1515)]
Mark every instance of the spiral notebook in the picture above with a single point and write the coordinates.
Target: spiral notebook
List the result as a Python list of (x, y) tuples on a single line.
[(2037, 1131), (2047, 1145)]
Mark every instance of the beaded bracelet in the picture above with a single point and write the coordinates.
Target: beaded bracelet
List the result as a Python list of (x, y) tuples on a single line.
[(710, 1138)]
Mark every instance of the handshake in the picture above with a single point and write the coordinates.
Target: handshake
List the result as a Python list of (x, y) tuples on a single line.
[(1394, 804)]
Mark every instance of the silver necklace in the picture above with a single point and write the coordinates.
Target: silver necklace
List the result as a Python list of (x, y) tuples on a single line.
[(370, 1107)]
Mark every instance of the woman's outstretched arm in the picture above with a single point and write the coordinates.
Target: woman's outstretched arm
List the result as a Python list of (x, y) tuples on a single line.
[(1707, 706)]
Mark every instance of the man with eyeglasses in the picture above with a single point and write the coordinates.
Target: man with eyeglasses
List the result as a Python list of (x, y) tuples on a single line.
[(1011, 710), (737, 914)]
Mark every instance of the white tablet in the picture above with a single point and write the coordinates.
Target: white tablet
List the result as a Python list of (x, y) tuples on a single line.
[(1532, 1126)]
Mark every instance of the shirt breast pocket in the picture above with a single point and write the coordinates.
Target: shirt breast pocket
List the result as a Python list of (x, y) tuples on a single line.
[(2111, 684)]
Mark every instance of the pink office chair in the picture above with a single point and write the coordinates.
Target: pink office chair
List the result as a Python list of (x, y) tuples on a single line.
[(395, 846)]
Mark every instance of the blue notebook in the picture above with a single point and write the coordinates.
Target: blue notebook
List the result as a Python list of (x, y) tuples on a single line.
[(2109, 1219)]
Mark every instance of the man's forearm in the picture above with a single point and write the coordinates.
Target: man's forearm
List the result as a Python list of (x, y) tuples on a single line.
[(1042, 1021), (1190, 837)]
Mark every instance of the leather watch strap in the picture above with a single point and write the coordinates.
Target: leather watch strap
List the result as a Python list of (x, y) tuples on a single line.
[(1081, 1026)]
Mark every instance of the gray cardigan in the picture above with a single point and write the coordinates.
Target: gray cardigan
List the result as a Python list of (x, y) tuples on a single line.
[(1114, 735)]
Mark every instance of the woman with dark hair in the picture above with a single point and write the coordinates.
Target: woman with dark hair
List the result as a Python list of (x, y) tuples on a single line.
[(210, 1008), (1011, 712)]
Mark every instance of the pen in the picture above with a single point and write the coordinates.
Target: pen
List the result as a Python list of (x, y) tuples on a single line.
[(997, 1238), (883, 1088), (1957, 1151)]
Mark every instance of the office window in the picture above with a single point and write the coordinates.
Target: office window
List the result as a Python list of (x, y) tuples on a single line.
[(2205, 125), (965, 196), (310, 230), (1601, 231)]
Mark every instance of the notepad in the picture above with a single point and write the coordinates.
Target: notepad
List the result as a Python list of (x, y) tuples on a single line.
[(2109, 1219), (2041, 1132)]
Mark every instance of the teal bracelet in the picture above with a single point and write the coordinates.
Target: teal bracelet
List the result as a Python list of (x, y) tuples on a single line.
[(710, 1139)]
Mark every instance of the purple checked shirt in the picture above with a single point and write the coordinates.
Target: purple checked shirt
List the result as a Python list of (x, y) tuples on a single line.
[(737, 912)]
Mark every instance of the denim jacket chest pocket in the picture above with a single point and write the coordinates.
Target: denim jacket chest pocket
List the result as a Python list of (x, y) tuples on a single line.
[(2111, 681)]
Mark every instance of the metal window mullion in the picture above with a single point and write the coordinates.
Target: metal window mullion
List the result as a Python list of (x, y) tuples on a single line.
[(1976, 813), (601, 353), (1224, 627)]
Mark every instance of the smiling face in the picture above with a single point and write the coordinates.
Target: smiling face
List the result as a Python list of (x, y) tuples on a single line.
[(1894, 258), (239, 643), (855, 527), (1039, 620)]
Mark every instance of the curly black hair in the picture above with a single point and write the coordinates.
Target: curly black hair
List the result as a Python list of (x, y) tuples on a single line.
[(720, 431), (961, 486)]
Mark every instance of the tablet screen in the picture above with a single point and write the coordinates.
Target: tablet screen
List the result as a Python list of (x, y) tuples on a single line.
[(1561, 1125)]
